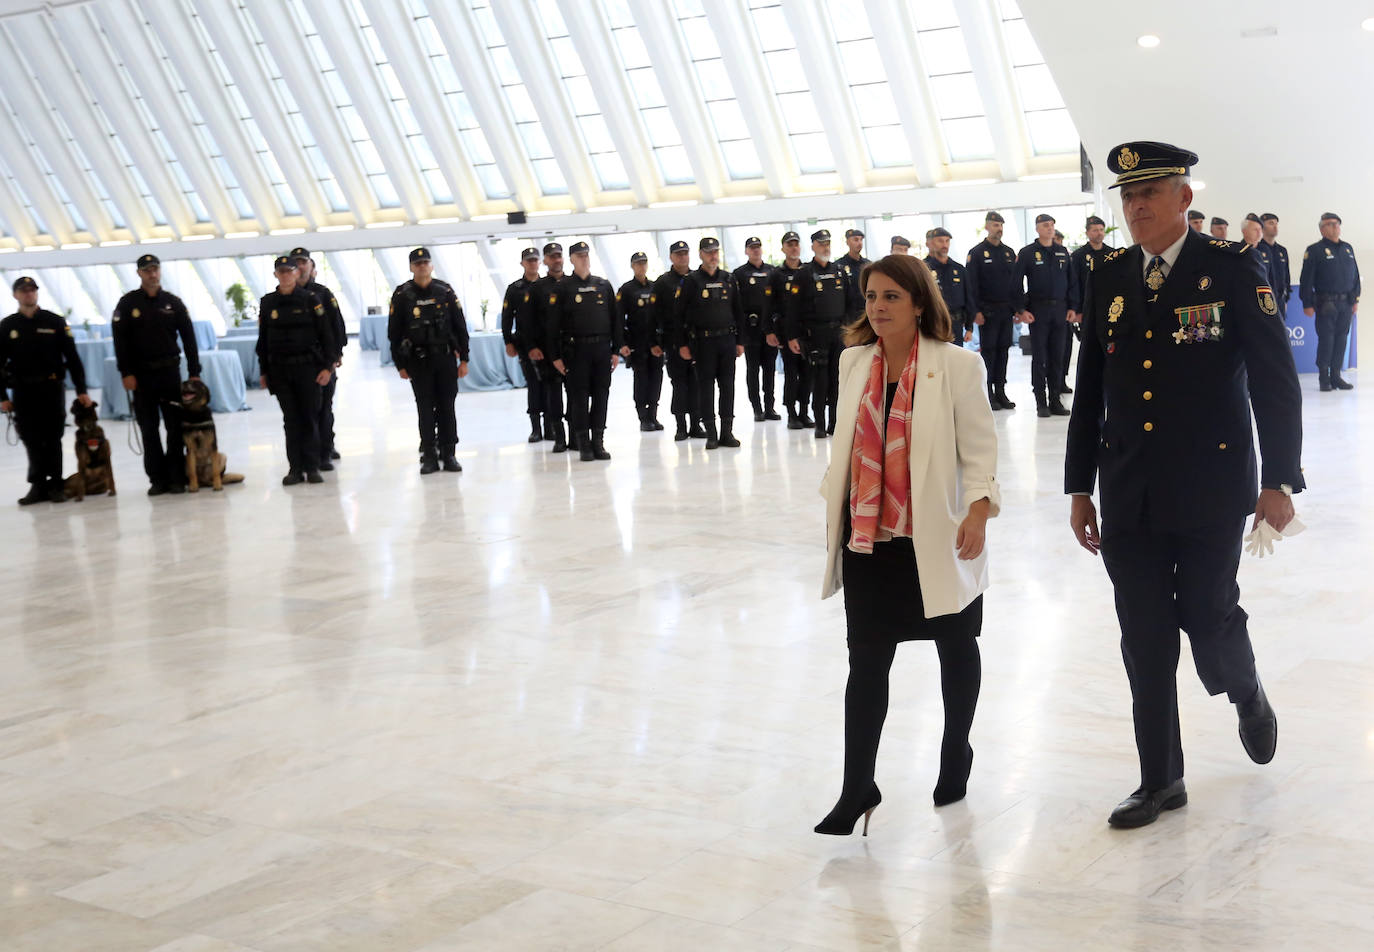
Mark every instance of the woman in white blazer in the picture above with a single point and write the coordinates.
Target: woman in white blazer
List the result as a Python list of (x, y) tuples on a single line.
[(911, 484)]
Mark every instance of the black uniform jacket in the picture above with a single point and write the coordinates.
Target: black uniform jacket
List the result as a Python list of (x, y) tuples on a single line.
[(294, 329), (1161, 412), (332, 311), (437, 304), (583, 307), (706, 302), (640, 326), (38, 348), (519, 325), (145, 331)]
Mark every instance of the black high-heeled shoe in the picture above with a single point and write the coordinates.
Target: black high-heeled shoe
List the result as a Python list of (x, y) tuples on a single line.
[(842, 819), (950, 787)]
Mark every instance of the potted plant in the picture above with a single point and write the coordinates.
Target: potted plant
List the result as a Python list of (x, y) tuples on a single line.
[(238, 297)]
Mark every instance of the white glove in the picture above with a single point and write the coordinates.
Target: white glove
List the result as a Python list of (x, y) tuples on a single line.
[(1260, 542)]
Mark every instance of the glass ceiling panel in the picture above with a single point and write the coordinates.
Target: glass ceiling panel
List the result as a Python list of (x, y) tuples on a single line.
[(741, 157), (1051, 130), (40, 225), (790, 86), (862, 68), (660, 126), (944, 53)]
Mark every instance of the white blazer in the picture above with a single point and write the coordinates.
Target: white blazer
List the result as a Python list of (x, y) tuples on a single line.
[(953, 463)]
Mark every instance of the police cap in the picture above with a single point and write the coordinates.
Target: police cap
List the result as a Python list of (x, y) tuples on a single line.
[(1220, 221), (1094, 220), (637, 257), (147, 261), (708, 244), (579, 248), (899, 241), (790, 236), (939, 233), (678, 247), (1269, 216), (1253, 217), (530, 254), (1331, 216), (822, 235), (994, 216), (753, 242), (1141, 161), (285, 263), (553, 248), (1196, 215), (1043, 217), (419, 254), (25, 283), (853, 233), (299, 253)]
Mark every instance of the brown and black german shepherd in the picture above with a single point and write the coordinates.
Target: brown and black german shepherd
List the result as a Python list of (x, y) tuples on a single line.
[(204, 462), (94, 474)]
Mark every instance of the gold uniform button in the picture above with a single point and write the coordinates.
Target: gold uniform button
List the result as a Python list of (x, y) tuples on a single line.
[(1221, 446), (1148, 364), (1149, 334), (1148, 395), (1149, 427)]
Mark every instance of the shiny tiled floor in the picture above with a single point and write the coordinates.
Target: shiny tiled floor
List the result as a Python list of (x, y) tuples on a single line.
[(552, 705)]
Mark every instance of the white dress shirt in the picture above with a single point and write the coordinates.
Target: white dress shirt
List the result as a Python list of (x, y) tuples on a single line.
[(1169, 254)]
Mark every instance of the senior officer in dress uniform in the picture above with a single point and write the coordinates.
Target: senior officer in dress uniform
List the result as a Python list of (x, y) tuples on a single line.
[(1181, 340), (707, 314), (520, 331), (1280, 277), (147, 322), (852, 262), (992, 284), (545, 296), (900, 246), (796, 373), (305, 266), (1050, 303), (1219, 227), (817, 305), (685, 403), (1196, 220), (755, 281), (952, 279), (36, 354), (642, 350), (1330, 292), (429, 344), (586, 339), (297, 354), (1084, 259)]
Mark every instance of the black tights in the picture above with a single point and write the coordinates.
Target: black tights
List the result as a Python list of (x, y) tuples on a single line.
[(865, 709)]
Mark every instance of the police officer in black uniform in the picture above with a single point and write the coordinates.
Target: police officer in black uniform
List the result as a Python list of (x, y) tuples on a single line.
[(707, 315), (642, 350), (1196, 220), (1219, 227), (991, 277), (818, 304), (297, 354), (146, 324), (545, 299), (755, 281), (36, 354), (796, 372), (586, 338), (1330, 292), (1051, 299), (852, 262), (520, 331), (952, 279), (686, 404), (1181, 340), (305, 268), (1084, 258), (900, 246), (429, 345), (1251, 230), (1280, 277)]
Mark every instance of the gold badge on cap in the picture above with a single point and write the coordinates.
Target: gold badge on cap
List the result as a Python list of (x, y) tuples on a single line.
[(1114, 312), (1203, 283), (1127, 159)]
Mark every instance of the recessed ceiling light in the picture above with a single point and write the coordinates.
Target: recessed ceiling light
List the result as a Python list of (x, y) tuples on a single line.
[(1149, 41), (1368, 25)]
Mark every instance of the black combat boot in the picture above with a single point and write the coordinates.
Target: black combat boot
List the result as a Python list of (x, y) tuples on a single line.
[(451, 464), (681, 433), (653, 417), (585, 448), (536, 432), (992, 398), (697, 432), (1003, 398), (1057, 407), (770, 413), (1042, 406), (560, 445), (646, 425), (820, 430), (37, 493), (599, 445), (758, 414), (55, 491), (1338, 382), (429, 464), (727, 436), (550, 433), (712, 438)]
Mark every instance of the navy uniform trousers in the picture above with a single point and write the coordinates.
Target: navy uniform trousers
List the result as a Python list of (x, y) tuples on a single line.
[(299, 397), (1047, 347), (588, 360), (714, 364), (40, 416), (994, 340), (434, 382)]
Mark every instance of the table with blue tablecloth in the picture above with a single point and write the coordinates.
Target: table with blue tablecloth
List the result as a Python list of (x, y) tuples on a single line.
[(219, 369), (93, 354), (372, 332), (206, 338), (247, 349), (78, 333)]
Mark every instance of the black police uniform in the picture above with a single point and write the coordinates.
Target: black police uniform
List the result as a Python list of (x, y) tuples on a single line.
[(1051, 291), (1280, 274), (1330, 284), (817, 305), (1084, 259), (796, 371), (707, 314), (296, 342), (544, 296), (685, 402), (36, 354), (639, 330), (852, 268), (145, 331), (1166, 382), (426, 329), (956, 289), (760, 357), (520, 328), (992, 283), (340, 337), (585, 332)]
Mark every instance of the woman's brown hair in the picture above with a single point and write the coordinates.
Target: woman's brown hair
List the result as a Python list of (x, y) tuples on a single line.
[(911, 274)]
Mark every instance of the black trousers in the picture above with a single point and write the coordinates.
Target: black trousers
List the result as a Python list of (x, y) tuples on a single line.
[(535, 400), (40, 415), (326, 419), (760, 371), (1070, 332), (1333, 334), (1047, 348), (588, 382), (715, 368), (552, 388), (299, 397), (994, 341), (648, 371), (1164, 582), (796, 381), (684, 381), (434, 382), (159, 396), (823, 345)]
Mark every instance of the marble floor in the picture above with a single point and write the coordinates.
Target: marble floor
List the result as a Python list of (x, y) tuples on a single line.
[(553, 705)]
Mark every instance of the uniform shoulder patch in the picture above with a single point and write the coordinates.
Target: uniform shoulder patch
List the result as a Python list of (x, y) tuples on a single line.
[(1266, 300)]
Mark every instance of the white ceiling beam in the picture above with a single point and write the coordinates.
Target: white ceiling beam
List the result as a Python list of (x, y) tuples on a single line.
[(350, 289), (15, 217), (254, 279), (125, 272), (463, 40), (519, 22), (900, 52), (818, 51), (407, 58), (118, 20), (353, 60), (748, 73), (591, 37), (235, 48), (674, 70), (299, 73), (992, 71), (395, 264), (32, 180), (79, 37)]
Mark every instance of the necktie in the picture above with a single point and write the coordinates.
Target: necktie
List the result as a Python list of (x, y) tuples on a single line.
[(1154, 275)]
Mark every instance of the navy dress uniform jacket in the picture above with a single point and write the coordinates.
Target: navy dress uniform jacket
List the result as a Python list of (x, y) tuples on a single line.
[(1161, 413)]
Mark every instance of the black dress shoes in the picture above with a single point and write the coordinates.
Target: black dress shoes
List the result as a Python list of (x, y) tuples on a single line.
[(1259, 727), (1144, 806)]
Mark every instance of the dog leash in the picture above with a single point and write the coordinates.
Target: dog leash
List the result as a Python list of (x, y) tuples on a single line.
[(11, 436), (134, 437)]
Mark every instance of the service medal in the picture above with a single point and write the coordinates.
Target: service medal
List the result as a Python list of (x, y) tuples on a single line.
[(1117, 308), (1154, 280)]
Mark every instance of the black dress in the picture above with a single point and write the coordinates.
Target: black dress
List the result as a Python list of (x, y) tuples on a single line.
[(882, 591)]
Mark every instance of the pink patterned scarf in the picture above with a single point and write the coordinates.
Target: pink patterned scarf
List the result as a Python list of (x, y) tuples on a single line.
[(879, 469)]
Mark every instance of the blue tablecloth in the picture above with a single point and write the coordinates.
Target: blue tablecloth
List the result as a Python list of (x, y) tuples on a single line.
[(372, 333), (486, 364), (92, 354), (79, 333), (205, 335), (220, 370), (247, 349), (246, 329)]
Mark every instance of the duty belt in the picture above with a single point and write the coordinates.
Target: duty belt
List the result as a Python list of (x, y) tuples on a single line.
[(586, 338), (1340, 298), (831, 324), (162, 363), (32, 379), (290, 360), (705, 332)]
